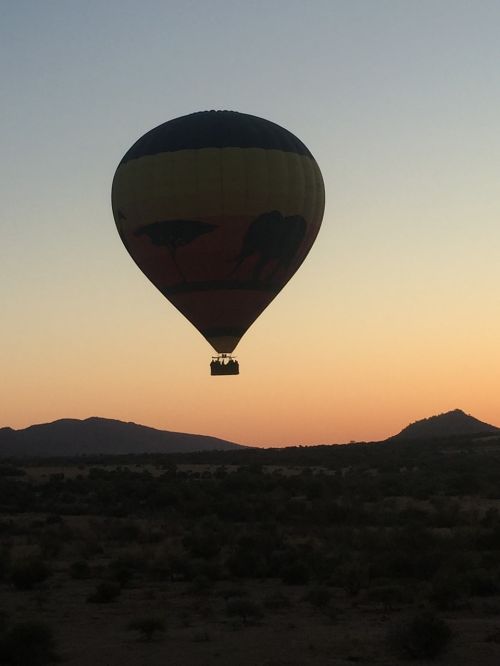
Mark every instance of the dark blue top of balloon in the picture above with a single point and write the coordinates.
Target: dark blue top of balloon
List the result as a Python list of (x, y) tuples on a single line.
[(215, 129)]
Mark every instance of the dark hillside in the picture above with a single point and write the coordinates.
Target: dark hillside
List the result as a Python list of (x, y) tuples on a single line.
[(448, 424), (97, 436)]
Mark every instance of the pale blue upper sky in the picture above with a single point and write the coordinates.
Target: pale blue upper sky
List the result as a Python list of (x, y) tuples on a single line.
[(397, 99)]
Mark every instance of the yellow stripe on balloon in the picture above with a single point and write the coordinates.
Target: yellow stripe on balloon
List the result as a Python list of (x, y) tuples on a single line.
[(189, 184)]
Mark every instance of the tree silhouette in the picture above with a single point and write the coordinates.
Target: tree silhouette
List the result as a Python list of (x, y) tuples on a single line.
[(173, 234)]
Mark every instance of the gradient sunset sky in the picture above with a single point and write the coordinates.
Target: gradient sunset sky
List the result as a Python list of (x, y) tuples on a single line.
[(394, 315)]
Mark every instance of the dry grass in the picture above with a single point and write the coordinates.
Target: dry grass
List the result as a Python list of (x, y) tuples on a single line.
[(293, 630), (200, 632)]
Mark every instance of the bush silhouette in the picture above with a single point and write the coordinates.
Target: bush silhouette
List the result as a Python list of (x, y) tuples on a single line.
[(319, 597), (28, 644), (448, 590), (28, 572), (105, 592), (246, 609), (389, 596), (295, 573), (80, 570), (277, 601), (425, 636), (4, 562), (147, 626)]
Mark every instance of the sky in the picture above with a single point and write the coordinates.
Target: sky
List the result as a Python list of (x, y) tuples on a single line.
[(394, 315)]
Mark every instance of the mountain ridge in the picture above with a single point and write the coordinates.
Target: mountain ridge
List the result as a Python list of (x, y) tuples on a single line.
[(95, 436), (69, 437)]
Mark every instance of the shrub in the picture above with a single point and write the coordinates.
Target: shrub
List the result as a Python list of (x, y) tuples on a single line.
[(147, 626), (295, 574), (490, 608), (52, 540), (277, 601), (28, 644), (28, 572), (4, 562), (387, 595), (494, 637), (105, 592), (246, 609), (120, 571), (79, 570), (53, 519), (3, 621), (246, 563), (483, 584), (425, 637), (201, 585), (230, 592), (10, 470), (203, 543), (319, 597), (447, 590), (172, 565)]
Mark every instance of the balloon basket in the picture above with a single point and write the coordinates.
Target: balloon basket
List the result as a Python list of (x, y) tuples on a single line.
[(224, 364)]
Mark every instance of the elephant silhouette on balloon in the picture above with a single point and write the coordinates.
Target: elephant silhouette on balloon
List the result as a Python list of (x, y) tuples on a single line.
[(273, 241)]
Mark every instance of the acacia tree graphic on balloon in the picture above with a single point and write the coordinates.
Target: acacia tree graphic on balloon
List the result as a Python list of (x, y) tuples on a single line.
[(173, 234)]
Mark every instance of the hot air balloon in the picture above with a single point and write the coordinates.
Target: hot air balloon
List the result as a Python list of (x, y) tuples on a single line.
[(218, 209)]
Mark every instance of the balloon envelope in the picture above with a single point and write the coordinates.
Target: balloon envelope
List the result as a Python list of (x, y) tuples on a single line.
[(218, 209)]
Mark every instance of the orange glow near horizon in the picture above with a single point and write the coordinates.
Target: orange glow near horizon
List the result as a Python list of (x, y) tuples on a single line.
[(308, 385), (394, 315)]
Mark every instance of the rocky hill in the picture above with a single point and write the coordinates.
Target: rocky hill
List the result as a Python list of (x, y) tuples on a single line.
[(448, 424)]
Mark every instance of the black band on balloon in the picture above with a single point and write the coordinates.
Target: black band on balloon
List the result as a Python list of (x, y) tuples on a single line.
[(221, 285), (223, 331)]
